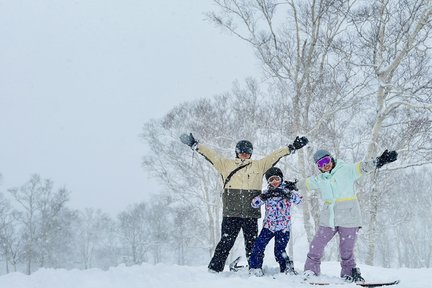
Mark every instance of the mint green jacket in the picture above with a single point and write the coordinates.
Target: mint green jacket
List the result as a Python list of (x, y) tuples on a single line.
[(337, 188)]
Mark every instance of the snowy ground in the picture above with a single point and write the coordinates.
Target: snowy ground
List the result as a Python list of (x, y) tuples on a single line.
[(168, 275)]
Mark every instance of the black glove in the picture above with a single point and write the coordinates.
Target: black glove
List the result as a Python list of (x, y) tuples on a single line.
[(272, 192), (285, 193), (188, 139), (386, 157), (299, 143), (291, 185), (264, 196)]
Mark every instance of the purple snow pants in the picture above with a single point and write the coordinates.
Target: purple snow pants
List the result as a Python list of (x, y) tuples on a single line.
[(347, 238)]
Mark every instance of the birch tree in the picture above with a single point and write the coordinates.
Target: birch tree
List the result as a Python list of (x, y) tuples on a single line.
[(393, 46)]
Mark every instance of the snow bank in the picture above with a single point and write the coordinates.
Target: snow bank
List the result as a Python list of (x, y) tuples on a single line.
[(168, 275)]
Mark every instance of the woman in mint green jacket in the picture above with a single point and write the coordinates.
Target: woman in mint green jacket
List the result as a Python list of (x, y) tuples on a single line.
[(341, 211)]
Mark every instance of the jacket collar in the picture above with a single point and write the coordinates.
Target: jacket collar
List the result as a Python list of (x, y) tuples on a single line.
[(238, 161), (338, 165)]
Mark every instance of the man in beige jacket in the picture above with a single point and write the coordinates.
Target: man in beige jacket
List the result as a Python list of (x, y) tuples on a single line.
[(242, 179)]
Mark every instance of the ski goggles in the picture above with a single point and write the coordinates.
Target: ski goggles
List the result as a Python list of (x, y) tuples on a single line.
[(244, 150), (274, 178), (323, 162)]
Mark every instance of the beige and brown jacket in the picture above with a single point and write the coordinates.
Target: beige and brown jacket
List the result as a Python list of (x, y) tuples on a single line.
[(245, 184)]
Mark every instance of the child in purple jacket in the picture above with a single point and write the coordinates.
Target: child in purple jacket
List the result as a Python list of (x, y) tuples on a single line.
[(278, 198)]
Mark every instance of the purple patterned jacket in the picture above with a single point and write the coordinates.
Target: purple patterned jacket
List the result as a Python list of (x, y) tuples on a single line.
[(277, 210)]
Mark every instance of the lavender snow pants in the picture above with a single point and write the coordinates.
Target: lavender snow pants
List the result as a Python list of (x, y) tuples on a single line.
[(347, 238)]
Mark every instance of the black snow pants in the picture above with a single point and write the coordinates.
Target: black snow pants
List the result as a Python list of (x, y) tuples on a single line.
[(230, 229)]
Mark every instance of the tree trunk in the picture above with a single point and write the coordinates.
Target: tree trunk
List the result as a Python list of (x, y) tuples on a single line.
[(307, 202), (7, 265), (374, 197), (371, 237), (28, 266)]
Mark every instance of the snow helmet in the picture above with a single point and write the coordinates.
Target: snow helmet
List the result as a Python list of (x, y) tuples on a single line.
[(320, 154), (244, 146), (274, 171)]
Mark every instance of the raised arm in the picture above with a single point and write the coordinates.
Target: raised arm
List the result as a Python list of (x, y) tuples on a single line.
[(385, 158), (274, 157), (209, 154)]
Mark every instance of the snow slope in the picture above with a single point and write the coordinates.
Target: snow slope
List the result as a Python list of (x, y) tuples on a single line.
[(168, 275)]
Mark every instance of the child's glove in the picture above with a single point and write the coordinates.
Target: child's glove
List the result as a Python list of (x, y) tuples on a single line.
[(291, 185), (273, 192)]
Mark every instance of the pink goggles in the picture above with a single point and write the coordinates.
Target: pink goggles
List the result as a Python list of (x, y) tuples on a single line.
[(274, 178), (323, 162)]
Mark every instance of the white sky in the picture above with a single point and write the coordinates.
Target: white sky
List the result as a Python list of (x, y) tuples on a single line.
[(79, 78)]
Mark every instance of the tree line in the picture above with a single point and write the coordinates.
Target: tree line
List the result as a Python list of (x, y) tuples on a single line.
[(38, 230)]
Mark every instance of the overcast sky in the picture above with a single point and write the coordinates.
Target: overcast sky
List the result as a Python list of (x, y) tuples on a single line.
[(79, 78)]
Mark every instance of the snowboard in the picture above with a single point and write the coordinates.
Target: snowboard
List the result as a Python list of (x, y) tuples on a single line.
[(366, 284)]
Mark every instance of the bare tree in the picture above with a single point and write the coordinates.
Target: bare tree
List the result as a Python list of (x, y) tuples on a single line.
[(185, 233), (393, 46), (51, 205), (26, 197), (11, 245), (5, 226), (91, 232), (135, 234), (38, 207)]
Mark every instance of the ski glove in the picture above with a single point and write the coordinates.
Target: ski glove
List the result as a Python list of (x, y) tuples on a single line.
[(299, 142), (385, 158), (291, 185), (264, 196), (274, 192), (188, 140)]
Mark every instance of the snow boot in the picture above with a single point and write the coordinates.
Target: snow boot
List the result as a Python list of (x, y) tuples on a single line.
[(290, 268), (308, 274), (212, 271), (356, 275), (257, 272)]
